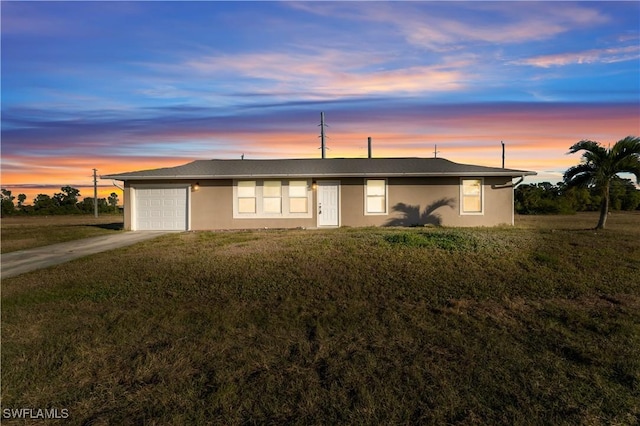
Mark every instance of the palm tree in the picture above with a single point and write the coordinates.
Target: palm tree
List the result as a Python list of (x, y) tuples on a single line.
[(600, 165)]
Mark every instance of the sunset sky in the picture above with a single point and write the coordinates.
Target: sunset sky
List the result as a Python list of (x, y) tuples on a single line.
[(123, 86)]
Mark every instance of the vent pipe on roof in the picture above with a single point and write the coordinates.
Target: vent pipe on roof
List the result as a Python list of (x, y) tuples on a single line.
[(369, 146)]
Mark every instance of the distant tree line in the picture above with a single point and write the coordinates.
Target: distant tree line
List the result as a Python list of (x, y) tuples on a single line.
[(546, 198), (64, 202)]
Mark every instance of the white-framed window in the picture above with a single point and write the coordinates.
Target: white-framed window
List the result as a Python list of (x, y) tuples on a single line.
[(271, 198), (246, 196), (375, 197), (298, 198), (471, 196)]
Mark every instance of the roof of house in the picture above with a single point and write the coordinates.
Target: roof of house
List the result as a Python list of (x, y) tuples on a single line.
[(315, 167)]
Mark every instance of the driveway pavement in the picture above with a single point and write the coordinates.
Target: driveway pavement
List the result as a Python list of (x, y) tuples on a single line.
[(19, 262)]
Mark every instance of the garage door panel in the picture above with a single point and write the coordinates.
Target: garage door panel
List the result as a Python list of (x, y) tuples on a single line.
[(161, 208)]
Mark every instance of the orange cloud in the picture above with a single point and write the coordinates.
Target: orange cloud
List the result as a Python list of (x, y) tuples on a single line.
[(328, 73), (73, 171)]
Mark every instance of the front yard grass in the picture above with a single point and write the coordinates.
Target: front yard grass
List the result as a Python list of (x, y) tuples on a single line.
[(533, 324), (25, 232)]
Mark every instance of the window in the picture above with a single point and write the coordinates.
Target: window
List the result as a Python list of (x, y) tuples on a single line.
[(471, 192), (376, 196), (246, 196), (298, 196), (272, 196), (271, 199)]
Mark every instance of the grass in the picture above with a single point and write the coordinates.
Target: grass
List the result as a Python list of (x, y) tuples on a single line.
[(25, 232), (533, 324)]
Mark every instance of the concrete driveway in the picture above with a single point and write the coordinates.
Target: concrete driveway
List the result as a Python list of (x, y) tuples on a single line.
[(19, 262)]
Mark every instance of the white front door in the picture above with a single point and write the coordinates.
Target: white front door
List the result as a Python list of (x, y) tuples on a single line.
[(328, 207)]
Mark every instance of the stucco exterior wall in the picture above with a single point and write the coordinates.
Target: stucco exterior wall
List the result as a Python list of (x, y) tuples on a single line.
[(127, 206), (422, 201), (410, 201), (212, 208)]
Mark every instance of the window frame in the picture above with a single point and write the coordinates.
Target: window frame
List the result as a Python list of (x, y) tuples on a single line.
[(297, 197), (237, 197), (367, 197), (277, 199), (462, 196)]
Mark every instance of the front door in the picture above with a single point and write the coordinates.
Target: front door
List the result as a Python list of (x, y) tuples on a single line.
[(328, 207)]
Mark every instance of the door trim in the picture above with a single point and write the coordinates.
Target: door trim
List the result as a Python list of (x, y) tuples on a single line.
[(321, 183)]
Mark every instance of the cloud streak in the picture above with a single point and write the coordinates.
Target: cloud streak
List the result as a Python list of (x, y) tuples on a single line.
[(327, 74), (603, 56), (433, 27)]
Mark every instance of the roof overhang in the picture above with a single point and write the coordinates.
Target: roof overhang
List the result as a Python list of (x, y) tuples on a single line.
[(317, 168), (317, 175)]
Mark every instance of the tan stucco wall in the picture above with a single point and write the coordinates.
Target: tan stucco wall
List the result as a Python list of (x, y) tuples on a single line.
[(420, 201), (127, 206), (211, 206)]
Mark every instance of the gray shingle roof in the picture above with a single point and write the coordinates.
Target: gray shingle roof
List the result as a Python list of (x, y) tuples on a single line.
[(314, 167)]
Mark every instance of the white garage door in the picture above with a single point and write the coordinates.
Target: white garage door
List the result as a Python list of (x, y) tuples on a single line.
[(161, 209)]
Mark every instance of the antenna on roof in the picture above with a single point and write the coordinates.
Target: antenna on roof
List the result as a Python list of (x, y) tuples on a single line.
[(322, 137), (502, 153), (435, 151)]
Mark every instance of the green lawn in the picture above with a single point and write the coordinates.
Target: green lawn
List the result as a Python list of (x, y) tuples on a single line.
[(25, 232), (533, 324)]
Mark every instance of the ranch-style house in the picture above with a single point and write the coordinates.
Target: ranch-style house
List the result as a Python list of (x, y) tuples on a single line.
[(317, 193)]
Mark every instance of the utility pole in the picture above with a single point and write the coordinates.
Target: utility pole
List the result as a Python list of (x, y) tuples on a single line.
[(95, 192), (435, 151), (322, 137)]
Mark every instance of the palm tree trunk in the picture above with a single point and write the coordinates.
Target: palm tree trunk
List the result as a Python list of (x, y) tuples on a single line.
[(604, 207)]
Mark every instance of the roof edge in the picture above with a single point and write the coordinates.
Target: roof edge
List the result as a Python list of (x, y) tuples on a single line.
[(511, 173)]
